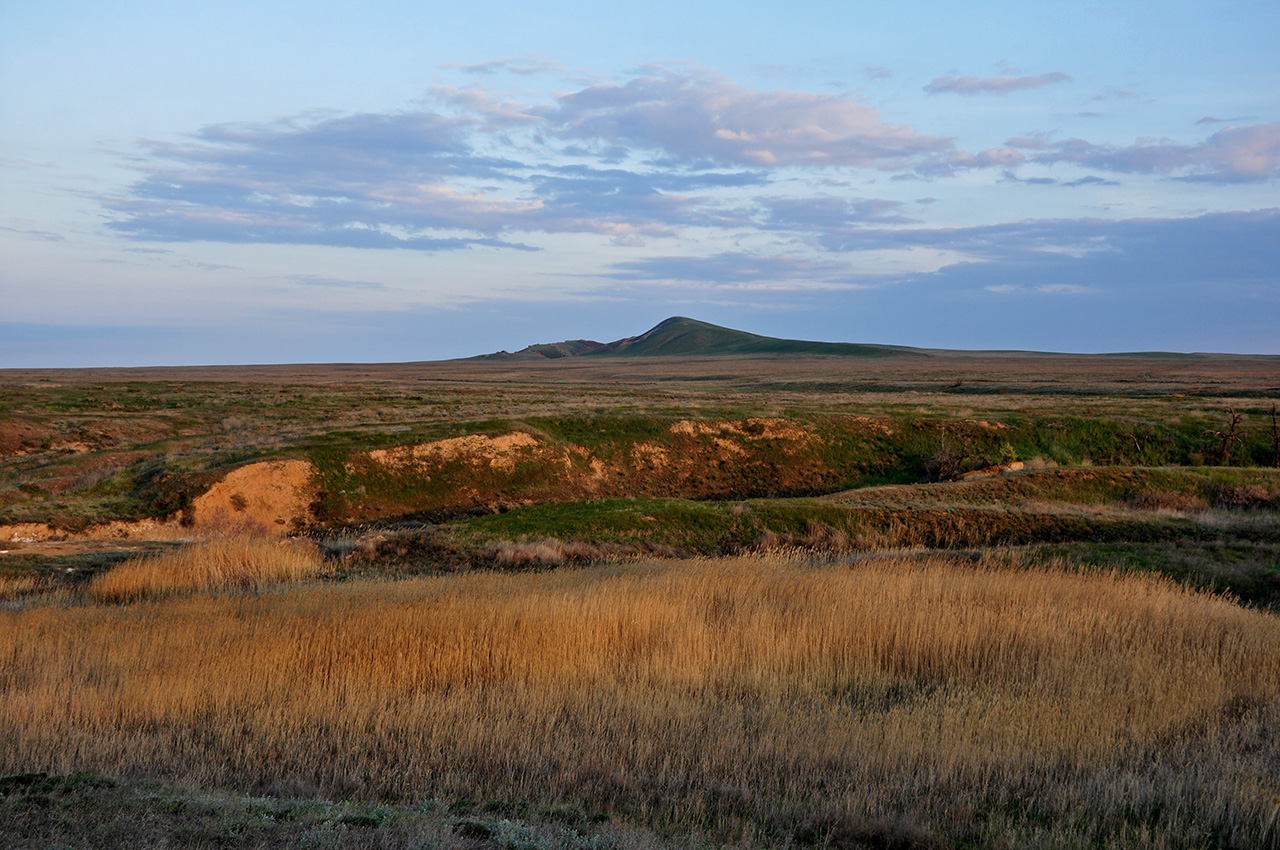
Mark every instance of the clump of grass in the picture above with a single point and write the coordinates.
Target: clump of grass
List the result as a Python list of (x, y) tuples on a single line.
[(223, 563), (550, 552), (13, 587)]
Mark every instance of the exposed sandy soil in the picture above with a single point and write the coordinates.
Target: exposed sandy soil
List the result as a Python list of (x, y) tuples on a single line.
[(272, 496), (30, 538), (876, 426), (753, 429), (497, 452), (26, 533), (993, 471)]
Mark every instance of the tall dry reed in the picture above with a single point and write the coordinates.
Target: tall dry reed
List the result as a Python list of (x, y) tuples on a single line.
[(220, 563), (20, 585), (919, 700)]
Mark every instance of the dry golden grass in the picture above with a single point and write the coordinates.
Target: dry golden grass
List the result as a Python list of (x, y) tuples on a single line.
[(764, 698), (12, 587), (220, 563)]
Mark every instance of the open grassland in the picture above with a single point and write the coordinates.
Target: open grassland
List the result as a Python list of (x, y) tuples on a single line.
[(86, 446), (776, 700)]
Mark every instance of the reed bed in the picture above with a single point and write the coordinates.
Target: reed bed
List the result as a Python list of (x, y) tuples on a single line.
[(239, 562), (770, 699), (15, 586)]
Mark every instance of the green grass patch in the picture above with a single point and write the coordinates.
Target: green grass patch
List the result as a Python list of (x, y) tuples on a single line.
[(84, 811)]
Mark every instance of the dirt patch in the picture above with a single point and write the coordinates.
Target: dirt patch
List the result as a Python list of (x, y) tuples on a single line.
[(694, 428), (993, 471), (31, 538), (500, 453), (876, 426), (756, 428), (18, 438), (27, 532), (655, 457), (272, 496), (728, 448), (70, 447), (779, 429)]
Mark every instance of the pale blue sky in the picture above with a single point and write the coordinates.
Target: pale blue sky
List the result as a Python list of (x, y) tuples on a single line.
[(276, 182)]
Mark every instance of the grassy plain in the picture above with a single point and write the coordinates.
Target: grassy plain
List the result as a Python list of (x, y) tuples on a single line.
[(772, 699), (79, 447), (693, 600)]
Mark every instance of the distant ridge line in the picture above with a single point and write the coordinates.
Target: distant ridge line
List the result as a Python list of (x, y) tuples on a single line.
[(680, 336)]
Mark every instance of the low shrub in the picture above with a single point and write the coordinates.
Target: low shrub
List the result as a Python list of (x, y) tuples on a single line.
[(1238, 496), (1170, 501)]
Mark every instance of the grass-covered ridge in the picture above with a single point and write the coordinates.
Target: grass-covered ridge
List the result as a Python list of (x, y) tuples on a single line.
[(574, 458), (1215, 528)]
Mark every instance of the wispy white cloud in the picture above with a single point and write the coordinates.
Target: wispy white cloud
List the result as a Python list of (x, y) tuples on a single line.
[(643, 158), (993, 85), (1231, 155), (701, 117), (1115, 94), (390, 181), (810, 213), (651, 157), (34, 233), (1209, 119), (332, 282), (524, 65), (738, 269)]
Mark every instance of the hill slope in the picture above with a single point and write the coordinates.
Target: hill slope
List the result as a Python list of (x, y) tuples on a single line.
[(683, 337)]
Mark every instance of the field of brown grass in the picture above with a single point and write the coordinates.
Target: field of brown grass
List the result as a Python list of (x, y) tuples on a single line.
[(219, 563), (771, 700)]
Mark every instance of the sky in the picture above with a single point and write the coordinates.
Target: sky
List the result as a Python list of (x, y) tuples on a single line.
[(277, 182)]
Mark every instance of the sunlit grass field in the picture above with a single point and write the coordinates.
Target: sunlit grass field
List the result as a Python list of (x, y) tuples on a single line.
[(780, 699), (694, 602), (219, 563)]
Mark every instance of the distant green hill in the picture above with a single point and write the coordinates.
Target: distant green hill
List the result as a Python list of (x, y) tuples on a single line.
[(682, 337)]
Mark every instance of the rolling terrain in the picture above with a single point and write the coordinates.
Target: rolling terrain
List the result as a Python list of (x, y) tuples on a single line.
[(815, 595)]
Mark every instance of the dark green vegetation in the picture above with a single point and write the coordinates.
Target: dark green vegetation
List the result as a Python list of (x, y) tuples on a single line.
[(1217, 529), (38, 811), (681, 337)]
